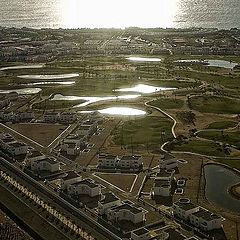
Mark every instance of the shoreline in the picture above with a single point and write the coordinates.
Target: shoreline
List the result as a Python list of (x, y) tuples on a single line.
[(234, 191)]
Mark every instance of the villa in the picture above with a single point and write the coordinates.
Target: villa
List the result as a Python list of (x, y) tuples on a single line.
[(84, 187), (107, 161), (196, 215), (108, 201), (46, 164), (133, 162), (127, 212), (71, 178), (67, 117)]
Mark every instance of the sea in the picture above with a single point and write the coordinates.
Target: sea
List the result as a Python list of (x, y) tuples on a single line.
[(221, 14)]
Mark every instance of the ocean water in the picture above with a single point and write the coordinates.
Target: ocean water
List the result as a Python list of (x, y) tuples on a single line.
[(223, 14)]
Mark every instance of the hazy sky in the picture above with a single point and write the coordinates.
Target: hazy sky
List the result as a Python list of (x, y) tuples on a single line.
[(119, 13)]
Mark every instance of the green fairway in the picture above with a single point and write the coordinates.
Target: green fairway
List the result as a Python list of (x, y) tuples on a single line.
[(232, 138), (213, 104), (222, 125), (149, 131), (198, 146), (167, 103)]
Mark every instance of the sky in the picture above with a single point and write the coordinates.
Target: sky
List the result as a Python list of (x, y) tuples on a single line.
[(107, 13)]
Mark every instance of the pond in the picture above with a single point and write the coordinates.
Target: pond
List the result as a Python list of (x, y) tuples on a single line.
[(218, 181), (211, 63), (90, 100), (143, 59), (143, 88), (23, 91), (50, 83), (49, 77), (120, 111), (22, 67)]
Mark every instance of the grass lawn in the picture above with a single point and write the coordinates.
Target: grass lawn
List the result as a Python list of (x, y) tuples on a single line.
[(201, 147), (232, 138), (231, 163), (149, 131), (212, 104), (39, 132), (222, 125), (165, 103), (59, 104), (121, 180)]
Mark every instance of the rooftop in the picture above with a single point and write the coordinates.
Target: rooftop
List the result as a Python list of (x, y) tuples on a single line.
[(128, 207), (140, 231), (71, 175), (17, 144), (186, 205), (87, 182), (109, 197), (49, 160), (206, 215), (161, 183), (130, 157), (106, 156)]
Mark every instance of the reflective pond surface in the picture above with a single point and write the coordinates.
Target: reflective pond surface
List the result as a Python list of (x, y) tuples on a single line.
[(23, 91), (49, 77), (144, 59), (122, 111), (143, 88), (211, 63), (50, 83), (22, 67), (218, 181), (90, 100)]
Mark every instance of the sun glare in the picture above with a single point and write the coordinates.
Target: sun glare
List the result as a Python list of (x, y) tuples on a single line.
[(118, 14)]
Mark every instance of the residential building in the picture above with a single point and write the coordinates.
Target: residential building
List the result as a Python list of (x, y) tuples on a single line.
[(17, 148), (107, 161), (162, 188), (51, 117), (108, 201), (67, 117), (127, 212), (72, 149), (206, 220), (87, 128), (46, 164), (140, 234), (70, 178), (84, 187), (183, 208), (134, 162)]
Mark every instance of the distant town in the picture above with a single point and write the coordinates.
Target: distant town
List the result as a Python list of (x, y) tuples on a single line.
[(119, 134)]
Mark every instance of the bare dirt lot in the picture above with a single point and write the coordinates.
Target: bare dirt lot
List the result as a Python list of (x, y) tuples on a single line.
[(42, 133), (123, 181)]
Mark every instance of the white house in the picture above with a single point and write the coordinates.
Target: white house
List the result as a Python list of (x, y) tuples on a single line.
[(87, 128), (134, 162), (183, 208), (162, 188), (168, 163), (46, 164), (126, 212), (165, 175), (140, 234), (70, 178), (108, 201), (206, 220), (67, 117), (85, 187), (107, 161), (72, 149)]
